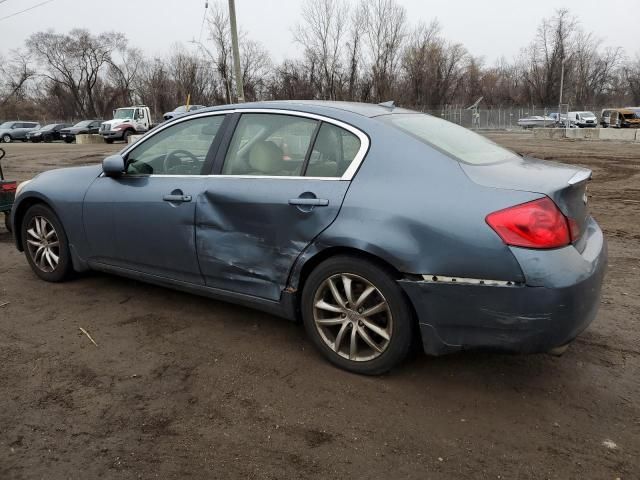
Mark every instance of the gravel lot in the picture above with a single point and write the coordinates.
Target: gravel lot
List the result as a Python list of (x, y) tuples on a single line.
[(184, 387)]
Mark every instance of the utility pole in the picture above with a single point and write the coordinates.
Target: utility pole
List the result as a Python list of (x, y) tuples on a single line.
[(236, 51)]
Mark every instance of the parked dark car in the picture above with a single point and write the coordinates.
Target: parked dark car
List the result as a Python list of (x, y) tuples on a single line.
[(182, 109), (375, 225), (83, 127), (48, 133), (10, 131)]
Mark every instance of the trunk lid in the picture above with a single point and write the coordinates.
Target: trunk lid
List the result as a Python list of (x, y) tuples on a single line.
[(565, 184)]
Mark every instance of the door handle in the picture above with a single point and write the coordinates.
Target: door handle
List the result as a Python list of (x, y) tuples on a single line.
[(309, 202), (177, 198)]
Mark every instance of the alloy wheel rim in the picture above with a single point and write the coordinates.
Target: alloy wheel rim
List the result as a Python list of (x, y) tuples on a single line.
[(352, 317), (43, 244)]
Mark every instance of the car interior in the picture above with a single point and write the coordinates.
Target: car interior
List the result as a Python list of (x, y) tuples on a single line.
[(262, 145)]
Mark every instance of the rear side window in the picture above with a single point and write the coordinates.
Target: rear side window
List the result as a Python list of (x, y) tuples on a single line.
[(269, 145), (333, 151), (453, 140)]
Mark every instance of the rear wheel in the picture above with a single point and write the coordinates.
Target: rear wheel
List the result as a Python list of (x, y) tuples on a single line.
[(7, 221), (45, 244), (357, 315)]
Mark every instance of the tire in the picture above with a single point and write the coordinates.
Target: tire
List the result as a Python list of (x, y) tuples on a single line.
[(7, 222), (390, 328), (6, 138), (68, 140), (108, 140), (126, 135), (43, 264)]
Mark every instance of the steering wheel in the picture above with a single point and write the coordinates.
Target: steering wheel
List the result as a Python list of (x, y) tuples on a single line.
[(173, 159)]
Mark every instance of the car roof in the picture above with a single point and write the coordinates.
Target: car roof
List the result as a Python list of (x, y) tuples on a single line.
[(365, 109)]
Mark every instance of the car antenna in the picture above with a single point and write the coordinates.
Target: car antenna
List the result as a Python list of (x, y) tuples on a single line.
[(390, 104)]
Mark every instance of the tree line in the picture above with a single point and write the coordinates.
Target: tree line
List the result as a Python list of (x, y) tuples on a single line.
[(368, 52)]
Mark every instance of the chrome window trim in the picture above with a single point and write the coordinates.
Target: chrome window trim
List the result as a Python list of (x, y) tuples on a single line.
[(348, 174)]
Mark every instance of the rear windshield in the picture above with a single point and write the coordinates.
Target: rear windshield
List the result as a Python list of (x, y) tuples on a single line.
[(454, 140)]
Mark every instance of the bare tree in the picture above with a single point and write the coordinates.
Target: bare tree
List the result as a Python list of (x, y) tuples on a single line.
[(220, 36), (75, 62), (124, 67), (385, 23), (433, 67), (554, 43), (256, 68), (322, 32), (632, 77), (15, 72)]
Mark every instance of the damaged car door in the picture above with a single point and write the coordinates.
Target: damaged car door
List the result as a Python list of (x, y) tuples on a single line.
[(143, 220), (280, 184)]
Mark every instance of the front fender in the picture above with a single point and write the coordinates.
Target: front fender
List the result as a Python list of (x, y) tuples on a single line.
[(63, 191)]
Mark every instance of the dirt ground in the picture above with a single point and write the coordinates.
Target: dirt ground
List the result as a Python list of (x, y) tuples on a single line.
[(184, 387)]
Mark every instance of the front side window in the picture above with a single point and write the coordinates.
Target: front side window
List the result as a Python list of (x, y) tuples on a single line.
[(269, 145), (180, 149), (454, 140), (333, 151)]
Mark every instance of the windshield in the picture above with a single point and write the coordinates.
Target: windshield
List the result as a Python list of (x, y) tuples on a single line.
[(123, 113), (6, 124), (49, 127), (454, 140), (180, 109), (587, 114), (84, 123)]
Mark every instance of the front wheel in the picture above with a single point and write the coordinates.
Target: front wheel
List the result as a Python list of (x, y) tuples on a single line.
[(45, 244), (108, 140), (6, 138), (357, 315), (7, 221)]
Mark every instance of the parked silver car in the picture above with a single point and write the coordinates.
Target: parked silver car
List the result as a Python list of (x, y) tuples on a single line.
[(10, 131)]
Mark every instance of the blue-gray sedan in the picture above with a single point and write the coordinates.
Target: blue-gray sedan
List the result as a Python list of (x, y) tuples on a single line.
[(375, 225)]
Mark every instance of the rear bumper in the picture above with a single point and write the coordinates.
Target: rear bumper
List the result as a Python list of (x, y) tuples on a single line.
[(558, 301)]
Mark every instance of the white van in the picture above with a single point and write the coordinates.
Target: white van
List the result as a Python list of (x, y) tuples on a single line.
[(583, 119)]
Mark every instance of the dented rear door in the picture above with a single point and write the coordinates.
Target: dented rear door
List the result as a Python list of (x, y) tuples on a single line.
[(250, 230)]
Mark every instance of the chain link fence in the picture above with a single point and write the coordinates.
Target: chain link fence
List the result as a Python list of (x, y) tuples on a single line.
[(502, 118)]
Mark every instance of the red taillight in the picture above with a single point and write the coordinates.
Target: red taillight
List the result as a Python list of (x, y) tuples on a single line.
[(9, 186), (537, 224)]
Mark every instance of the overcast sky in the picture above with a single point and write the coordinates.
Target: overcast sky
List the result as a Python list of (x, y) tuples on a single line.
[(486, 28)]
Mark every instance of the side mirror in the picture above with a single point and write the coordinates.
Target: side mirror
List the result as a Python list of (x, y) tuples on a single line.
[(113, 166)]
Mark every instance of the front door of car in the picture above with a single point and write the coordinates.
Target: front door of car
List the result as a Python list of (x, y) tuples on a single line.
[(94, 127), (281, 183), (143, 220)]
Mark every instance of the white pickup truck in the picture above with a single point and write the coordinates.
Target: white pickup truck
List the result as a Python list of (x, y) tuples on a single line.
[(126, 121)]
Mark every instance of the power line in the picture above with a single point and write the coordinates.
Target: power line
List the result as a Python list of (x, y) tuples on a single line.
[(25, 10), (204, 16)]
